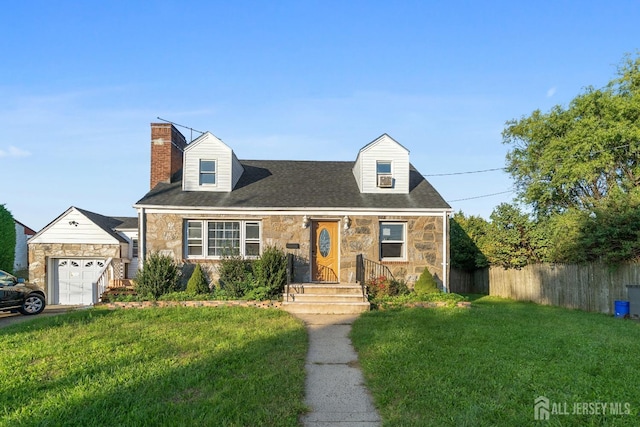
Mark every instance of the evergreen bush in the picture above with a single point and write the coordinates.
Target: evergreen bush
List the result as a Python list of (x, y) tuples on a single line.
[(197, 283), (271, 272), (159, 275), (426, 283), (236, 276)]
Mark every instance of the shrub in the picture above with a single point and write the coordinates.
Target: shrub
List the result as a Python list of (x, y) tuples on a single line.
[(197, 283), (270, 273), (378, 287), (236, 276), (159, 275), (384, 287), (426, 284)]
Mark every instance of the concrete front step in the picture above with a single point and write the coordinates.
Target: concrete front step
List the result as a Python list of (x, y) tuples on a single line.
[(325, 298), (325, 307), (325, 289)]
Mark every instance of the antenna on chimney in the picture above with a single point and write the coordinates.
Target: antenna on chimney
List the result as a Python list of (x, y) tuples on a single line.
[(182, 126)]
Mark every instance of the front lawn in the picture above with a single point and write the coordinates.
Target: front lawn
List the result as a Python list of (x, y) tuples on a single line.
[(170, 366), (486, 365)]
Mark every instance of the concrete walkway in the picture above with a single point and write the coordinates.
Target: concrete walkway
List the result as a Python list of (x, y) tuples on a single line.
[(335, 390)]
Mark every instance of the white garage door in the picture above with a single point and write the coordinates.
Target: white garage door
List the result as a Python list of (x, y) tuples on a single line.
[(75, 280)]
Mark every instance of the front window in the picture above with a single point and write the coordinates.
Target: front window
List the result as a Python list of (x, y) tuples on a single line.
[(392, 240), (216, 239), (207, 172)]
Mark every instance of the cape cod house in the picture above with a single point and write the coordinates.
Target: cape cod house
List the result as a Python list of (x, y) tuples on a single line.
[(335, 219), (330, 215)]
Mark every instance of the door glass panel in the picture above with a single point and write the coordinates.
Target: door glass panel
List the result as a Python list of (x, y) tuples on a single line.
[(324, 242)]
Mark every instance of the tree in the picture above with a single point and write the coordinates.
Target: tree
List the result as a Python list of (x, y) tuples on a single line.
[(7, 240), (512, 239), (574, 157), (466, 234)]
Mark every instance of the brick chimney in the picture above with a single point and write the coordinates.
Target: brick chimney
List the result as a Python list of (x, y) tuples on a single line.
[(167, 145)]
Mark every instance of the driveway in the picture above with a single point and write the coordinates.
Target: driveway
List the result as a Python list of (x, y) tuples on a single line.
[(8, 318)]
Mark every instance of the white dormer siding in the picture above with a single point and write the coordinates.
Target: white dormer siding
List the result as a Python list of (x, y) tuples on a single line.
[(382, 150), (208, 148)]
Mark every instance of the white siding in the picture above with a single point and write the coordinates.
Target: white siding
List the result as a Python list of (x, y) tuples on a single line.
[(208, 147), (132, 268), (22, 253), (236, 170), (382, 149), (73, 227)]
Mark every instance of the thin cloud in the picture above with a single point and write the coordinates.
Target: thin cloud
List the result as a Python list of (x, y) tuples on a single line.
[(551, 92), (14, 152)]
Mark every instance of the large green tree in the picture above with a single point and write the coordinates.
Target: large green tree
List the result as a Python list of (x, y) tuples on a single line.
[(574, 157), (7, 239)]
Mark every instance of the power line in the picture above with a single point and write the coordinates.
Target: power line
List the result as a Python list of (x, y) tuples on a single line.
[(465, 173), (480, 197)]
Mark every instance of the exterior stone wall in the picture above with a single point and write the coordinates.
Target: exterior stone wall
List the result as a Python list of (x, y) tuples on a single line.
[(164, 234), (40, 253)]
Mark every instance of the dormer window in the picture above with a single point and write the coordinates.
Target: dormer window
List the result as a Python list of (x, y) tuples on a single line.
[(207, 172), (384, 177)]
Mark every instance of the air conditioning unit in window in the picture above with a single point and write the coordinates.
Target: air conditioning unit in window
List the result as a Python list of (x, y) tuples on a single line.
[(385, 181)]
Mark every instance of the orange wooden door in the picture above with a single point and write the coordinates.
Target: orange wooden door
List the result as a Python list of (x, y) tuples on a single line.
[(325, 251)]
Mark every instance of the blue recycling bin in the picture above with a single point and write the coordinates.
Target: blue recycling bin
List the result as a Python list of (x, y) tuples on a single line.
[(621, 309)]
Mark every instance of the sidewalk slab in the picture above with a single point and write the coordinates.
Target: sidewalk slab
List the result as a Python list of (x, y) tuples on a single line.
[(335, 389)]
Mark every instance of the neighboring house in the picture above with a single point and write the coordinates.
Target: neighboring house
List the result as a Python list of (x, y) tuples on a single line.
[(23, 233), (205, 202), (77, 254)]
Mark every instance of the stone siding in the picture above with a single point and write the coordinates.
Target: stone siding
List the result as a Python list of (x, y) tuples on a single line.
[(41, 253), (164, 234)]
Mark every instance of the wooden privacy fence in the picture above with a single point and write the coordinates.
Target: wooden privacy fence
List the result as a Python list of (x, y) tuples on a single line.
[(591, 287)]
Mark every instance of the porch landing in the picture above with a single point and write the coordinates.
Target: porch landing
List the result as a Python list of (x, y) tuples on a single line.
[(325, 298)]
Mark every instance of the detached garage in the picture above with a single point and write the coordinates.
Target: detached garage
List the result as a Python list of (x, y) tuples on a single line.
[(76, 256)]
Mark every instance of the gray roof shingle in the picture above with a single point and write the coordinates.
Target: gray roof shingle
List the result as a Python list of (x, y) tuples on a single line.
[(297, 184)]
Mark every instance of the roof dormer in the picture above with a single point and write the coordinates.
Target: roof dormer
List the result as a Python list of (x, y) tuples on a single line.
[(210, 165), (382, 166)]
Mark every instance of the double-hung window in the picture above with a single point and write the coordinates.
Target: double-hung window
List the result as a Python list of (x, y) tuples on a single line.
[(208, 172), (216, 239), (393, 241)]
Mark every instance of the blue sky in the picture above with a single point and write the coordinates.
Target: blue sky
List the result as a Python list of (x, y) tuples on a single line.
[(80, 81)]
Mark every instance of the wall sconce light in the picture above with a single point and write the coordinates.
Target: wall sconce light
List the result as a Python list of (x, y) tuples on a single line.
[(305, 221), (347, 222), (74, 223)]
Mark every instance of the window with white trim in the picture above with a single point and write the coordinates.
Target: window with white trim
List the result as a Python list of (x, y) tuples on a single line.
[(216, 239), (207, 172), (393, 241)]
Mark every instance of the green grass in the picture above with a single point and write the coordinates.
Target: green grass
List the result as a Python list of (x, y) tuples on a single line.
[(170, 366), (486, 365)]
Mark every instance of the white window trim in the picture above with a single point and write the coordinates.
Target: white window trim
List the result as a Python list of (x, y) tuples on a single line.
[(403, 241), (214, 173), (205, 238)]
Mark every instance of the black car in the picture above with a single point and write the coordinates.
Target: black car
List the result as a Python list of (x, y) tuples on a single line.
[(17, 295)]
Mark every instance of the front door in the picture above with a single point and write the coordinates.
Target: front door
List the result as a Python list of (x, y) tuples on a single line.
[(324, 253)]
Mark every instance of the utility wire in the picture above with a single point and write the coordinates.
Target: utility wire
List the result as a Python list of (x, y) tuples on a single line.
[(465, 173), (501, 169), (480, 197)]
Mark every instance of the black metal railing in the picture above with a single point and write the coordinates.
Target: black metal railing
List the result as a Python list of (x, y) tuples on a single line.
[(367, 270), (290, 265)]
